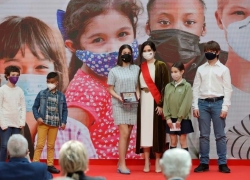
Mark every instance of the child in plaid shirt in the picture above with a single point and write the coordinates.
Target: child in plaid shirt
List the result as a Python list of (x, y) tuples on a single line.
[(50, 111)]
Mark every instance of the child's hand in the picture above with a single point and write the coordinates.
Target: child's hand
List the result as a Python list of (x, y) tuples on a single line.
[(170, 124), (223, 114), (178, 125), (40, 121), (63, 126), (196, 113)]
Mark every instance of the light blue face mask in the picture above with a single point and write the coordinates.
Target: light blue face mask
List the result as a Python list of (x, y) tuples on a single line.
[(31, 85)]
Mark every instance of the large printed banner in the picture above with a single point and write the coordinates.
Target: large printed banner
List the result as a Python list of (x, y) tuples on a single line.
[(80, 39)]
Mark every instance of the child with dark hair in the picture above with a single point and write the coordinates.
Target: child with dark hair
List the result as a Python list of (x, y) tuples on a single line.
[(93, 32), (124, 79), (177, 107), (12, 109), (212, 92), (50, 111)]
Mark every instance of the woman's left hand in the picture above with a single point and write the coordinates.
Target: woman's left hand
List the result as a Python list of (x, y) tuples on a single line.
[(158, 110)]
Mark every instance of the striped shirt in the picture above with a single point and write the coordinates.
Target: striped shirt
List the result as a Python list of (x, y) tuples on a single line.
[(52, 114)]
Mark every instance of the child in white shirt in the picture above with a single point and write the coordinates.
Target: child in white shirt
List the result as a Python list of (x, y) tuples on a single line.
[(12, 108)]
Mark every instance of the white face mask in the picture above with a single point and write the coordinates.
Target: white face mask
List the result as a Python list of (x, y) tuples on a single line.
[(31, 85), (148, 55), (238, 36), (51, 86), (176, 76)]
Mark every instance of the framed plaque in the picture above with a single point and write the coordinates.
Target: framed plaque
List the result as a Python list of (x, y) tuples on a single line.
[(129, 97)]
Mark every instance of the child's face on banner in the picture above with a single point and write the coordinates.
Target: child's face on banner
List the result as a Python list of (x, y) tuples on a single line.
[(107, 32), (28, 64), (177, 14), (234, 18), (232, 11)]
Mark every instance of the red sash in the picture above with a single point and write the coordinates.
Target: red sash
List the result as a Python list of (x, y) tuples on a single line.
[(150, 83)]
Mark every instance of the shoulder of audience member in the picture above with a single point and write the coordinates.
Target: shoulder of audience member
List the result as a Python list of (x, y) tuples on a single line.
[(39, 164)]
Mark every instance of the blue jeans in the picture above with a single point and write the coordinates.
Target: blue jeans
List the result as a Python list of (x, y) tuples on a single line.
[(5, 135), (211, 111)]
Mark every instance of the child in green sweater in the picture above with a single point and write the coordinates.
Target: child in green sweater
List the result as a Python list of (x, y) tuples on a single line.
[(177, 107)]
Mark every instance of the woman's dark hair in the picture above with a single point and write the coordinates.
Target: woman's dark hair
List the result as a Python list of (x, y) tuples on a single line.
[(16, 32), (179, 66), (9, 70), (124, 46), (80, 12), (147, 43)]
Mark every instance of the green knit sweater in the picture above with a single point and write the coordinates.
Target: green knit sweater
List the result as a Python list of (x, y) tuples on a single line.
[(177, 101)]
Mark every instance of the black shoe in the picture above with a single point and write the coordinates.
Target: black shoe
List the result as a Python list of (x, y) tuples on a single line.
[(224, 169), (53, 170), (202, 168)]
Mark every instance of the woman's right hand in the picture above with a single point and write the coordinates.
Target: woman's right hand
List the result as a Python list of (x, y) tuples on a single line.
[(170, 124)]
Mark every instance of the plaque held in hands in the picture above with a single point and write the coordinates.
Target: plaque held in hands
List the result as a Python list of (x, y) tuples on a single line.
[(129, 97)]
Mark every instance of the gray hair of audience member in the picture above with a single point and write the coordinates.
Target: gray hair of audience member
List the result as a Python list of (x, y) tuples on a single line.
[(17, 146), (73, 157), (176, 163)]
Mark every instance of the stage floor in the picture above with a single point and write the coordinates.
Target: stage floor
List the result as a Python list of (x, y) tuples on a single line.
[(240, 169)]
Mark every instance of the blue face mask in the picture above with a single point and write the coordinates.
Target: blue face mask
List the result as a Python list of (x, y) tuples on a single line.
[(31, 85), (102, 63)]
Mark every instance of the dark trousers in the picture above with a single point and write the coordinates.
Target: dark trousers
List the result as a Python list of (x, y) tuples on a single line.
[(4, 136)]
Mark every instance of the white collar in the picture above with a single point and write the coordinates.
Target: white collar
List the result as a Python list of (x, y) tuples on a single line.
[(218, 63)]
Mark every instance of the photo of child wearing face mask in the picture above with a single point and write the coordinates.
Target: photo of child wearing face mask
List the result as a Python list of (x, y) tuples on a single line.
[(36, 49), (176, 27), (94, 38), (233, 17)]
